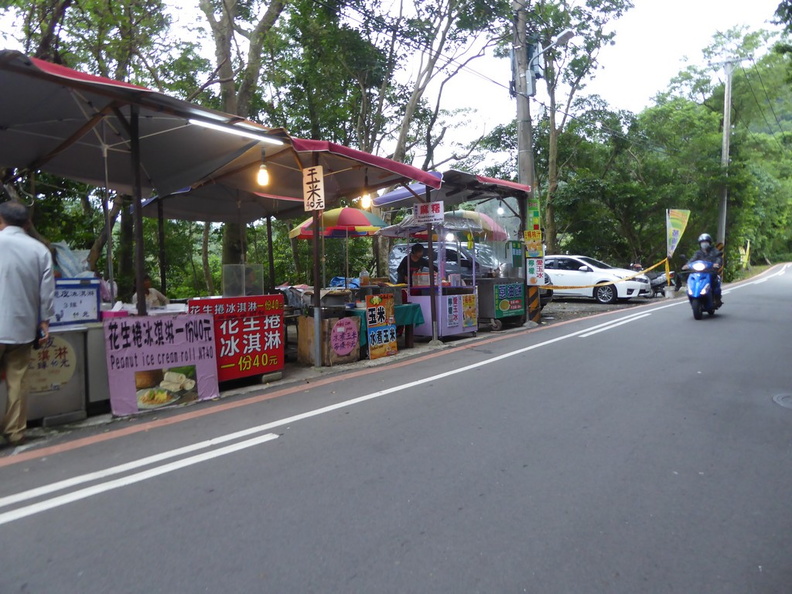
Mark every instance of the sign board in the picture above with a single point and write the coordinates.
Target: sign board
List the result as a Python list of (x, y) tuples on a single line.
[(313, 188), (77, 301), (381, 323), (158, 361), (51, 366), (344, 336), (469, 311), (249, 333), (429, 213), (509, 300), (535, 271)]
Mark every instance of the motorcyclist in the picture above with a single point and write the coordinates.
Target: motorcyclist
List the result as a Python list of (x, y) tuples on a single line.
[(709, 253)]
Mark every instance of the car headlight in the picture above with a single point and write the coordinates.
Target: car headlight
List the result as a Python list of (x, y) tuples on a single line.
[(642, 279)]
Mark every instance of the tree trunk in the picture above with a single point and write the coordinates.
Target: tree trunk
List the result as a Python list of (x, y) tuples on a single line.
[(205, 260), (101, 241)]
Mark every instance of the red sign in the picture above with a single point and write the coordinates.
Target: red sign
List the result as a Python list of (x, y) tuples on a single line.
[(249, 333)]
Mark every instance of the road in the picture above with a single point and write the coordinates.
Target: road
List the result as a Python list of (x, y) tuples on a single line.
[(631, 452)]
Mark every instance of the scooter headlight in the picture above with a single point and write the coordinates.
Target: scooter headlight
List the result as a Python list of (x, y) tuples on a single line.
[(699, 266)]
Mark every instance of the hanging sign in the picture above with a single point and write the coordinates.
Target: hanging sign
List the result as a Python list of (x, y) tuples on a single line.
[(313, 188), (429, 213)]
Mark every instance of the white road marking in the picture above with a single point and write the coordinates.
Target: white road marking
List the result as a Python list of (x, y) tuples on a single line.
[(47, 504), (614, 325)]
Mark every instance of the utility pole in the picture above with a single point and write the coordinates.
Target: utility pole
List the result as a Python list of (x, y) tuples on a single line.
[(526, 54), (525, 159), (728, 66)]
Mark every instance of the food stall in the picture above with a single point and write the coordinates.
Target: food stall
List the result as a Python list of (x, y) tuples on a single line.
[(500, 295)]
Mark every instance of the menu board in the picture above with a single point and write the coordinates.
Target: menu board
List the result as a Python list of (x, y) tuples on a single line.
[(77, 301), (159, 361)]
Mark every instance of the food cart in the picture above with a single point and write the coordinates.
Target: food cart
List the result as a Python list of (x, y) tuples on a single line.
[(455, 303), (501, 295)]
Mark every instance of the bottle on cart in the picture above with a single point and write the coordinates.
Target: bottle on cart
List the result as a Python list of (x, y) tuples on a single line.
[(364, 278)]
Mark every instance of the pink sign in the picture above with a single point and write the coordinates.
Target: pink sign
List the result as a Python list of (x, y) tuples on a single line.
[(157, 361), (344, 336)]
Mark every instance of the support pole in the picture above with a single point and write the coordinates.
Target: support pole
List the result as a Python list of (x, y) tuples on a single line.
[(525, 158), (729, 68)]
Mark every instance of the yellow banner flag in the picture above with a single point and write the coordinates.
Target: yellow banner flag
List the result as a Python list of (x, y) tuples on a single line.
[(676, 221)]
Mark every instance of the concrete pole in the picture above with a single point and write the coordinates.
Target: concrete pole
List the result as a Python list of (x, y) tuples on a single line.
[(729, 68), (525, 158)]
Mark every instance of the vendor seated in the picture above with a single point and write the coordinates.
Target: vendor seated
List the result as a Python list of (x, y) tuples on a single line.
[(153, 297), (413, 262)]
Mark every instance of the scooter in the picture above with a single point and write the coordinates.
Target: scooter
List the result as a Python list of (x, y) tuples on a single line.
[(702, 284)]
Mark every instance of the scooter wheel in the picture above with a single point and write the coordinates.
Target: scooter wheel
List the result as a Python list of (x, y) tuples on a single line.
[(698, 312)]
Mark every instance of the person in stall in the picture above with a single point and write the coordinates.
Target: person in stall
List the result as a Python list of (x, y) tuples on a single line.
[(252, 285), (153, 297), (413, 262)]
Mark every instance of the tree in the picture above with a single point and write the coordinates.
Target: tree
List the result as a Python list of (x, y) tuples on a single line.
[(568, 71)]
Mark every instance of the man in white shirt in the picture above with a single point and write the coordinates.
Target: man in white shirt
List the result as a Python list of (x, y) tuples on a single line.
[(27, 290)]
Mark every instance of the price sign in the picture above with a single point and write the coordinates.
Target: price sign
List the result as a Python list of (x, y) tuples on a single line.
[(313, 188)]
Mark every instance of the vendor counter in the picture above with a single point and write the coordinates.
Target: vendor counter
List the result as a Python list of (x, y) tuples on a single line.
[(457, 310)]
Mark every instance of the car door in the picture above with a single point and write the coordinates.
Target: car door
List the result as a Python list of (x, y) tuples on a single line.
[(564, 271)]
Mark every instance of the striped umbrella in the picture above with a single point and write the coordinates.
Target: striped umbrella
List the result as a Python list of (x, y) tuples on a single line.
[(340, 222), (344, 222)]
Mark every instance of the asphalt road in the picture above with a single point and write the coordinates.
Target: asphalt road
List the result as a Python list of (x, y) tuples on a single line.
[(635, 451)]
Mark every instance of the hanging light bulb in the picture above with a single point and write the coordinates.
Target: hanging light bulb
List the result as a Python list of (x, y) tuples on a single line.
[(263, 175), (500, 208), (365, 200), (450, 237)]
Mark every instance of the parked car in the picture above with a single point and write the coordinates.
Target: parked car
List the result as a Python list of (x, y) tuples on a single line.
[(583, 272), (459, 260)]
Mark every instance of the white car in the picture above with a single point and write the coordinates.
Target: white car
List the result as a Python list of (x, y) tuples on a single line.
[(583, 272)]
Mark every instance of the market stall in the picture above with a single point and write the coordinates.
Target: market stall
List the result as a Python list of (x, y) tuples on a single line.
[(500, 295)]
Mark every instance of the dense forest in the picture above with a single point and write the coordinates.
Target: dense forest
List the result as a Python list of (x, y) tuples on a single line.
[(357, 73)]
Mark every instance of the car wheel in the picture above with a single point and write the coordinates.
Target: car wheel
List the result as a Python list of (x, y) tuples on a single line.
[(606, 294)]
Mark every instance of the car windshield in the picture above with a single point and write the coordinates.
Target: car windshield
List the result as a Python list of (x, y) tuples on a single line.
[(593, 262)]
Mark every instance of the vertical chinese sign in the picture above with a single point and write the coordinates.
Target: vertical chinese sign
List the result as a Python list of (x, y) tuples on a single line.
[(534, 250), (249, 333), (313, 188), (470, 311), (381, 323), (157, 361)]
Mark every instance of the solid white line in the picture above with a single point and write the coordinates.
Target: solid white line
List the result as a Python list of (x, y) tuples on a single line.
[(610, 326), (101, 474), (36, 508)]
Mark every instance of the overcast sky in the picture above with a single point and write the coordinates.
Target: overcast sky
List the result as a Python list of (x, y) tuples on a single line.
[(652, 41)]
